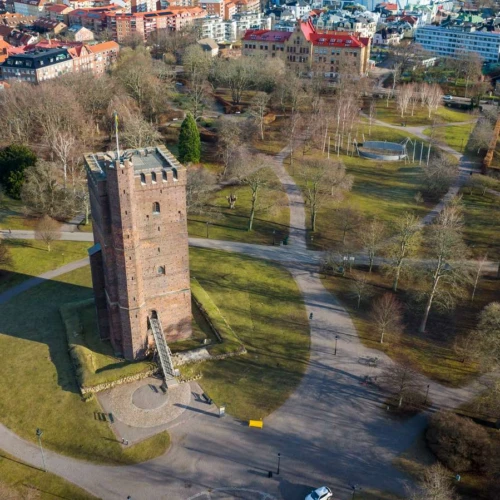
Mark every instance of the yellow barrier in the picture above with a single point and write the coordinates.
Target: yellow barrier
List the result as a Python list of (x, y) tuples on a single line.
[(256, 423)]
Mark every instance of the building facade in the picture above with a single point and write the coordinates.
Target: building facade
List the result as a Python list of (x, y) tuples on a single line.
[(455, 41), (140, 260)]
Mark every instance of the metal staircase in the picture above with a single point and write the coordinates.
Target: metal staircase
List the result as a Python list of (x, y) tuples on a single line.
[(163, 350)]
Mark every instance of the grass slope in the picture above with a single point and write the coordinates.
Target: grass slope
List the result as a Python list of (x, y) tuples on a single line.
[(20, 480), (37, 381), (262, 304), (31, 258)]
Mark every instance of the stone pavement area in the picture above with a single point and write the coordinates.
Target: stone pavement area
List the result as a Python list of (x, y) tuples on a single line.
[(141, 409)]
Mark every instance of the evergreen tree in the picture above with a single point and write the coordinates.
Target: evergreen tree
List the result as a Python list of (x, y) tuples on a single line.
[(189, 141), (14, 160)]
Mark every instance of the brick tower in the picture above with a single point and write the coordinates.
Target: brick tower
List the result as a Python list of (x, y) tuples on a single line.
[(140, 261)]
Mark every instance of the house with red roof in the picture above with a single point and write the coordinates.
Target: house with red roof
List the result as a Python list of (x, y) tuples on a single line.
[(311, 52)]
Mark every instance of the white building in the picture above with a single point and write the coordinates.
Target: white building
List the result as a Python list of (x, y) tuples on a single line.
[(450, 42)]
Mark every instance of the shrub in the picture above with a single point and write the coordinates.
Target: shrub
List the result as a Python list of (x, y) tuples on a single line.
[(458, 442)]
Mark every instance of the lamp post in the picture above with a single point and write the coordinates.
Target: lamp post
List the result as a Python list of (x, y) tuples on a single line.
[(274, 237), (336, 338), (208, 223), (426, 394), (39, 436), (279, 460)]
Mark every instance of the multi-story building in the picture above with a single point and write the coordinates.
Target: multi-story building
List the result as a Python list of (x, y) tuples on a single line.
[(142, 5), (213, 7), (30, 7), (42, 62), (58, 12), (140, 260), (37, 66), (458, 40), (309, 52)]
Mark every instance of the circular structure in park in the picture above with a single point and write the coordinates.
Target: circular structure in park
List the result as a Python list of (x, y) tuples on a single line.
[(149, 397), (381, 150)]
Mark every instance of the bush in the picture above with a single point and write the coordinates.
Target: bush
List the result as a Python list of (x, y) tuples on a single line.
[(458, 442), (14, 160)]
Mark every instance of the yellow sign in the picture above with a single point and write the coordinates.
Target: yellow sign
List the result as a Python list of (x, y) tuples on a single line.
[(256, 423)]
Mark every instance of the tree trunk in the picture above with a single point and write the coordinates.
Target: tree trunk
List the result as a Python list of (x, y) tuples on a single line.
[(382, 333), (359, 300), (371, 257), (396, 277), (428, 306), (252, 210), (313, 218)]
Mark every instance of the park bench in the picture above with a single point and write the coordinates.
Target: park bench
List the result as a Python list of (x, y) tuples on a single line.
[(206, 398)]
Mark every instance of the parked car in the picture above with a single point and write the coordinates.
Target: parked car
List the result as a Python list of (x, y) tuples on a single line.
[(323, 493), (448, 97)]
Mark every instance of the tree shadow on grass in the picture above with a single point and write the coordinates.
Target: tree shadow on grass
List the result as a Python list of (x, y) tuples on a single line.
[(34, 316)]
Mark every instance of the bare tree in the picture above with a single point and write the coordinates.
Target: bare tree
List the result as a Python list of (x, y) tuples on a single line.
[(479, 264), (439, 175), (257, 110), (433, 98), (5, 255), (386, 314), (139, 133), (228, 143), (404, 382), (372, 114), (360, 287), (435, 485), (197, 63), (481, 136), (446, 274), (47, 230), (482, 183), (403, 245), (63, 143), (404, 97), (200, 184), (486, 336), (237, 74), (372, 234), (323, 180), (348, 219)]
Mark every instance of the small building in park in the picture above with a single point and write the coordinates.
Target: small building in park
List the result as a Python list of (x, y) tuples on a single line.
[(140, 261)]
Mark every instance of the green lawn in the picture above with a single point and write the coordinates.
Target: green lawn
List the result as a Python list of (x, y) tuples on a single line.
[(482, 223), (37, 381), (12, 215), (227, 224), (420, 117), (432, 353), (31, 258), (381, 189), (455, 136), (20, 480), (262, 304)]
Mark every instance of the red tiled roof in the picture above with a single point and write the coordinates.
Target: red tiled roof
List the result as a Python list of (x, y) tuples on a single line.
[(335, 40), (307, 28), (267, 35), (100, 47), (56, 8)]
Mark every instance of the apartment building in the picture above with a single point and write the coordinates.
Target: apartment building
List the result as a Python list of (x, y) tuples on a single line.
[(30, 7), (456, 40)]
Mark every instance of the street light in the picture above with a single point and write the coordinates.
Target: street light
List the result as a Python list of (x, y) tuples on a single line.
[(279, 460), (39, 436), (336, 338), (274, 237), (208, 223)]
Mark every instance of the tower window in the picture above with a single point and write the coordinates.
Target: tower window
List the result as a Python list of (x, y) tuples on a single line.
[(164, 175), (153, 177), (161, 270), (143, 179), (156, 207), (174, 170)]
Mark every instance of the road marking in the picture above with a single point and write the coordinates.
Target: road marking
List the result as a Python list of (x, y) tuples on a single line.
[(263, 495)]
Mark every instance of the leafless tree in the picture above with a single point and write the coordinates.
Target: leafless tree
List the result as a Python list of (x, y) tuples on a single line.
[(439, 175), (236, 74), (387, 314), (469, 65), (139, 133), (433, 98), (200, 184), (360, 288), (403, 381), (404, 244), (482, 183), (63, 143), (372, 114), (486, 336), (479, 264), (348, 219), (228, 143), (372, 235), (404, 97), (446, 275), (435, 484), (257, 110), (481, 136), (323, 180), (196, 63), (47, 230), (43, 194)]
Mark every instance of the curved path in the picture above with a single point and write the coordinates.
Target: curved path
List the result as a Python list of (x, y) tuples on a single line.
[(331, 430)]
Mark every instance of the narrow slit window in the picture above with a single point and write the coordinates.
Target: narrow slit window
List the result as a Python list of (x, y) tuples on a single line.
[(153, 177), (156, 208), (143, 179), (161, 270), (164, 175)]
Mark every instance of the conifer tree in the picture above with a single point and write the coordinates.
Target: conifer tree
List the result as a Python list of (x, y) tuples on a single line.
[(189, 141)]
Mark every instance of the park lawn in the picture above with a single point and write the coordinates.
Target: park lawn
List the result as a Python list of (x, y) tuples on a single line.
[(482, 223), (262, 304), (38, 386), (384, 190), (455, 136), (420, 117), (232, 225), (431, 353), (20, 480), (274, 138), (12, 215), (31, 258)]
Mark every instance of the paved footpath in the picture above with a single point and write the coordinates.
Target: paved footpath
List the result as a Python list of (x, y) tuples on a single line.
[(332, 430)]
